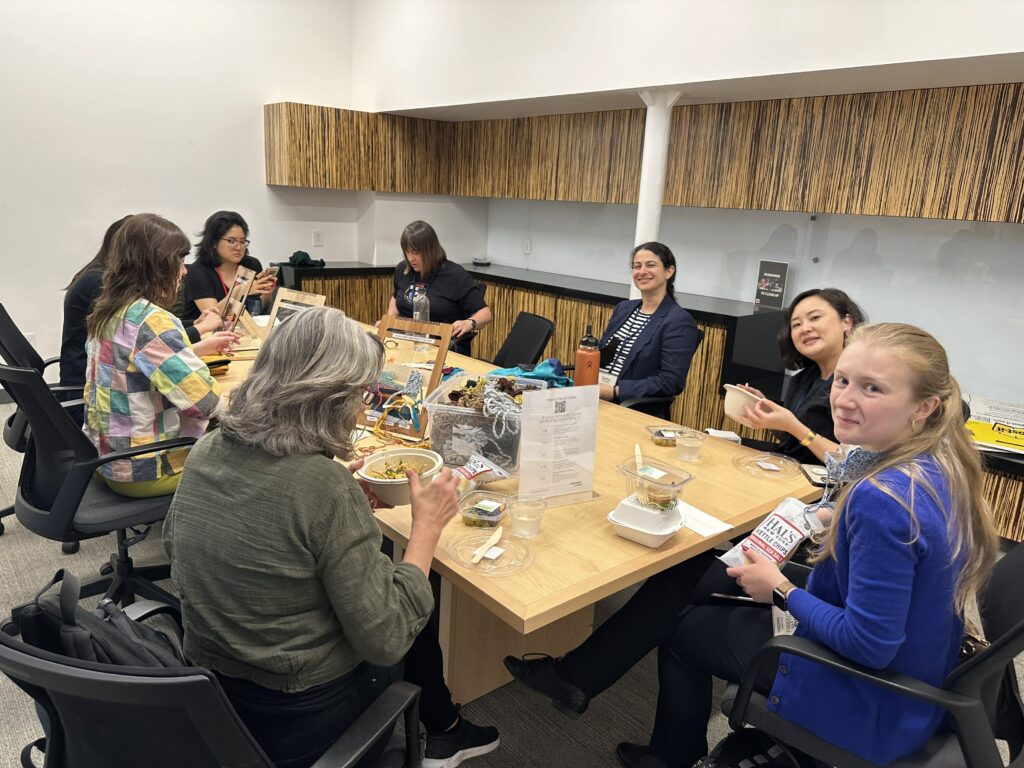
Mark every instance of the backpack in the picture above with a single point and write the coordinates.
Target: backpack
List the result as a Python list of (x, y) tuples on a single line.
[(57, 623)]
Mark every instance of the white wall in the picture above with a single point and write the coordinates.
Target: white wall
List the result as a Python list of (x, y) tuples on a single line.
[(961, 281), (420, 53), (113, 107), (460, 223)]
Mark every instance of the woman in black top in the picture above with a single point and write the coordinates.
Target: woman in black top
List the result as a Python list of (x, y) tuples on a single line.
[(811, 338), (223, 248), (454, 296), (81, 294), (813, 335)]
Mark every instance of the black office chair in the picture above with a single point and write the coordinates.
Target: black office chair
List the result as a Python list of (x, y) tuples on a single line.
[(16, 350), (980, 695), (104, 715), (60, 498), (659, 407), (525, 342)]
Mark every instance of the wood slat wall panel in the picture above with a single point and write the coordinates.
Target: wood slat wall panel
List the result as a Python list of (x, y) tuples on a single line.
[(584, 157), (363, 298), (533, 158), (955, 153), (1006, 495), (478, 158), (626, 155)]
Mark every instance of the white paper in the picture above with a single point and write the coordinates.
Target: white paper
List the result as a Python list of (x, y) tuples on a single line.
[(494, 552), (724, 434), (700, 522), (557, 441), (783, 622)]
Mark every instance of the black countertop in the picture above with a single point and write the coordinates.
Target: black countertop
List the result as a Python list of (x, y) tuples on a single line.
[(601, 291)]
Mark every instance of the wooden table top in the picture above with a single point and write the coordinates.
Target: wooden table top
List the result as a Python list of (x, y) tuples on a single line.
[(578, 558)]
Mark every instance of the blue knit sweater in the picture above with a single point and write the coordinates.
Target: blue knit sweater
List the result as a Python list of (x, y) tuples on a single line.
[(882, 602)]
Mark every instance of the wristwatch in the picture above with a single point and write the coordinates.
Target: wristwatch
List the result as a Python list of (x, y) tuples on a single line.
[(780, 595), (473, 321)]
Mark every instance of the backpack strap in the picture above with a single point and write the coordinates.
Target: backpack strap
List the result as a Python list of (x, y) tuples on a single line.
[(70, 591)]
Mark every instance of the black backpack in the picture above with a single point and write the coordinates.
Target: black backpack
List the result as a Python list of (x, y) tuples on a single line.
[(57, 623)]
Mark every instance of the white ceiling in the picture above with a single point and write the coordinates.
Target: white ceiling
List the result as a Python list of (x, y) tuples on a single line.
[(999, 68)]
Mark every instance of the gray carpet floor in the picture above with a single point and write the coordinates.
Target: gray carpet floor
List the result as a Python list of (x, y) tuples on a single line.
[(532, 732)]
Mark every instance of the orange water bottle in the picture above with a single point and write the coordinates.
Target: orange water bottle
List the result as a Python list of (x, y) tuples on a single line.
[(588, 360)]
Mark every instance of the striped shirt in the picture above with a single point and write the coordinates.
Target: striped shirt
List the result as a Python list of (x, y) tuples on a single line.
[(627, 334), (143, 383)]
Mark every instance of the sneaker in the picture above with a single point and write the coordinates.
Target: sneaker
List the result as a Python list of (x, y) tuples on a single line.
[(540, 674), (466, 740)]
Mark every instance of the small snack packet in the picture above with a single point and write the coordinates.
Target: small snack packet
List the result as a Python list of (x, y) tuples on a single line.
[(778, 535), (476, 472)]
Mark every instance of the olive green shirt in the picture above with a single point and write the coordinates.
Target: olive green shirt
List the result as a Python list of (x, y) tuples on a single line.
[(278, 564)]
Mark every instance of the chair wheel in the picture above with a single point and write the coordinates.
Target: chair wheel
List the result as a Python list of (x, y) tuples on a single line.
[(69, 547), (106, 569)]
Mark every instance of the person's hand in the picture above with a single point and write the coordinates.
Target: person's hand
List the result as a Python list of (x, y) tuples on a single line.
[(367, 489), (263, 285), (460, 328), (765, 414), (759, 578), (435, 504), (217, 343), (208, 320), (606, 391), (752, 390)]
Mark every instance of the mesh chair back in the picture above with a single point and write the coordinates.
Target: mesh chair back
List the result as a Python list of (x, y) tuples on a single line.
[(14, 347), (53, 470), (525, 342), (121, 716)]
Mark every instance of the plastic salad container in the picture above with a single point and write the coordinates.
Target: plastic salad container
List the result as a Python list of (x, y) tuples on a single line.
[(483, 509), (654, 484)]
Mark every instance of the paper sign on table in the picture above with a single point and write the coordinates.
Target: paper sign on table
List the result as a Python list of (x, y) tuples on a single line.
[(557, 442)]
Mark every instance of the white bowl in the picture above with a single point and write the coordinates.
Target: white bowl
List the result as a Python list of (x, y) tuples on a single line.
[(735, 399), (644, 526), (396, 492)]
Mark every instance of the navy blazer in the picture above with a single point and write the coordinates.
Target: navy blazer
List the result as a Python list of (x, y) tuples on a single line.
[(660, 357)]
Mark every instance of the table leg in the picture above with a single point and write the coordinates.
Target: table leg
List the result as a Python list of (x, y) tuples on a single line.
[(474, 641)]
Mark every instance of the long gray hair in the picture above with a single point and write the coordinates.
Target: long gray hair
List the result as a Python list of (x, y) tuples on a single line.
[(305, 389)]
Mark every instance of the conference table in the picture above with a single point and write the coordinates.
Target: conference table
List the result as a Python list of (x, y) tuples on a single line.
[(578, 558)]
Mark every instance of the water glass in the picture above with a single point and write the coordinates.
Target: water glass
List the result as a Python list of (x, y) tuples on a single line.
[(525, 513), (688, 443)]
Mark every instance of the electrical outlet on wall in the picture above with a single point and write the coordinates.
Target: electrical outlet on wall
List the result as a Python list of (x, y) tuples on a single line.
[(527, 247), (318, 238)]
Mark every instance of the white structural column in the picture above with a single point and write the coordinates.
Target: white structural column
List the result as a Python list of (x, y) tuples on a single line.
[(654, 165)]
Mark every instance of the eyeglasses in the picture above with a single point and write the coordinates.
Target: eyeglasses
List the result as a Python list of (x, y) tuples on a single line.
[(234, 242)]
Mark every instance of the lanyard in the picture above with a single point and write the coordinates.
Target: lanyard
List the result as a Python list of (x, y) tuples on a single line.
[(222, 283)]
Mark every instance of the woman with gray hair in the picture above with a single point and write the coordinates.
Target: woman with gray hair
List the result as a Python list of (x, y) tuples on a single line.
[(285, 592)]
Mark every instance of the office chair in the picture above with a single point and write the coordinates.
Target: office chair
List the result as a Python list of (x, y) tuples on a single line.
[(122, 717), (16, 350), (980, 695), (60, 498), (525, 342), (660, 407)]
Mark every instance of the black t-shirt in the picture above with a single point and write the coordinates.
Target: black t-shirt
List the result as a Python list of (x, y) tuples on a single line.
[(78, 303), (203, 282), (452, 291), (807, 397)]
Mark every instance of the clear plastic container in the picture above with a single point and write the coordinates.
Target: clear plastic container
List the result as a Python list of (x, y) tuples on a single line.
[(654, 484), (456, 432), (664, 436), (483, 509)]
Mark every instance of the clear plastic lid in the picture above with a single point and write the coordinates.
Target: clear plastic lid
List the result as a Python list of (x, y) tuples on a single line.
[(483, 509), (654, 483), (662, 435)]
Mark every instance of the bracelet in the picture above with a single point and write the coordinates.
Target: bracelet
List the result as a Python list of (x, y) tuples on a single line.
[(811, 437)]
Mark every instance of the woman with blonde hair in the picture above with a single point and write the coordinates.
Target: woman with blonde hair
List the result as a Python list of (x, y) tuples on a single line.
[(909, 547)]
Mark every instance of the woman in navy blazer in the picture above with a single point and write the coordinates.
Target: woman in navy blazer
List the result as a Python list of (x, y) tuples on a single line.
[(654, 337)]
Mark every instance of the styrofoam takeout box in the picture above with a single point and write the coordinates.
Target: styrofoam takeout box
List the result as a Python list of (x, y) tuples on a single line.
[(643, 525)]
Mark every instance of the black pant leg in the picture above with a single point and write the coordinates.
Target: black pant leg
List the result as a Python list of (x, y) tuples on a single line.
[(647, 619), (424, 666), (710, 641)]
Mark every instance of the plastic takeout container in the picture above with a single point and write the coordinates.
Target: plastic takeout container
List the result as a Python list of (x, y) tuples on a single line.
[(483, 509), (396, 491), (735, 399), (654, 484), (639, 523), (457, 432), (662, 435)]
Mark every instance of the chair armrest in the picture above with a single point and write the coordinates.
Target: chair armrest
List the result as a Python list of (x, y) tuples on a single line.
[(72, 403), (50, 361), (141, 610), (635, 401), (65, 387), (127, 453), (769, 654), (374, 723)]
